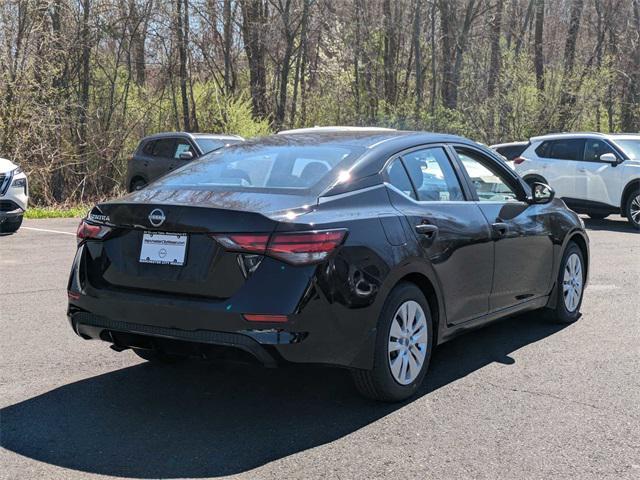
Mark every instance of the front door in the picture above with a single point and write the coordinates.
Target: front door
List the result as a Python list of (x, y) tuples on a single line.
[(598, 181), (452, 233), (523, 247)]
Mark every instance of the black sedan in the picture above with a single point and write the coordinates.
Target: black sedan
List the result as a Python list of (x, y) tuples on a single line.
[(361, 248)]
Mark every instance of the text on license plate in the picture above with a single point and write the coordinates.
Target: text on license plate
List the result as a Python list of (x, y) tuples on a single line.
[(163, 248)]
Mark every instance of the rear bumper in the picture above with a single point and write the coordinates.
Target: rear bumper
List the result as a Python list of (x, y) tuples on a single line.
[(90, 326)]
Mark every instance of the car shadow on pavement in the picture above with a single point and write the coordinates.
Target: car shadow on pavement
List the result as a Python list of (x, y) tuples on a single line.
[(203, 420), (620, 225)]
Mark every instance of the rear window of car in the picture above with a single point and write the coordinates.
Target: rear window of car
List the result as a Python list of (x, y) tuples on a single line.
[(279, 167), (564, 149), (511, 151), (210, 144)]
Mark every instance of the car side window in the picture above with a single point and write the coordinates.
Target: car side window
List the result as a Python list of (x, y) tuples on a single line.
[(489, 183), (181, 147), (432, 175), (565, 149), (164, 147), (148, 148), (594, 148), (398, 178)]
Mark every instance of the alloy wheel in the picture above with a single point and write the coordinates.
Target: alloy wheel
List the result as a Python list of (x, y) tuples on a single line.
[(634, 210), (407, 342), (572, 282)]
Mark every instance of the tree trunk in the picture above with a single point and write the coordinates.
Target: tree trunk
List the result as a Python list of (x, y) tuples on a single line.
[(568, 97), (417, 52), (630, 111), (226, 49), (538, 55), (255, 15), (289, 34), (182, 36), (389, 57)]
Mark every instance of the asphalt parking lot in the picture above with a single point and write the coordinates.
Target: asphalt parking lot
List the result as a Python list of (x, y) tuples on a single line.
[(522, 398)]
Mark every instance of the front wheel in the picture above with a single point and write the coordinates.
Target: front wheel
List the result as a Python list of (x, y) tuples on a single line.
[(571, 280), (632, 209), (11, 225), (404, 342)]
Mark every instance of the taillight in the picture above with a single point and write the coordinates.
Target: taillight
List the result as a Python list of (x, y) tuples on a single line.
[(305, 247), (297, 248), (243, 242), (518, 160), (90, 231)]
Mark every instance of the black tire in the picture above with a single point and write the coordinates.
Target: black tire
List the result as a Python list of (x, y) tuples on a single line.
[(379, 383), (561, 314), (158, 356), (11, 225), (598, 216), (137, 184), (632, 208)]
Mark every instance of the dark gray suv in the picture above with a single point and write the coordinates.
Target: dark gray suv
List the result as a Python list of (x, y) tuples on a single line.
[(160, 153)]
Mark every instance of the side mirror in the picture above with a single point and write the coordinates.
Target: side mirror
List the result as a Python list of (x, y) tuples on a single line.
[(186, 156), (609, 158), (541, 193)]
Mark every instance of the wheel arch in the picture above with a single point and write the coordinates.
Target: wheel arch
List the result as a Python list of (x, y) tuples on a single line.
[(580, 238), (626, 192), (428, 289)]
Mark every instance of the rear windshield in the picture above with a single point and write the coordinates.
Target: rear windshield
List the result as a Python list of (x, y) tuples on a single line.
[(254, 166), (210, 144), (630, 147), (511, 151)]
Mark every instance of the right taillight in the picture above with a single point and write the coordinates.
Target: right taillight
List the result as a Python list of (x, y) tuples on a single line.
[(518, 160), (90, 231), (298, 248)]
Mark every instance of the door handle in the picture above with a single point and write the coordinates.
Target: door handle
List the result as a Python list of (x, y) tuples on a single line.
[(583, 170), (427, 230), (500, 228)]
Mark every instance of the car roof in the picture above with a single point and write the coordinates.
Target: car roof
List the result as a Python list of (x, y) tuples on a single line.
[(335, 129), (557, 136), (192, 136), (510, 144)]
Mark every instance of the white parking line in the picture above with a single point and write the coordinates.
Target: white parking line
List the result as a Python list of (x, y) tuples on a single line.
[(45, 230)]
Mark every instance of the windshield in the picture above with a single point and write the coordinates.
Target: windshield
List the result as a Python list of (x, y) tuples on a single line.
[(254, 166), (630, 147), (210, 144)]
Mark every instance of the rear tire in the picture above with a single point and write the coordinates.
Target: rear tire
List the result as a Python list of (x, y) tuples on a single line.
[(598, 216), (11, 225), (158, 356), (137, 184), (632, 209), (570, 284), (404, 342)]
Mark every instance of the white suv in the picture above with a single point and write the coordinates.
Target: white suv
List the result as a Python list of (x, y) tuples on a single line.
[(14, 195), (593, 173)]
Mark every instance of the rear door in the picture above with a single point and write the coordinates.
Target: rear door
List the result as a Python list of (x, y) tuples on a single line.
[(521, 233), (452, 233), (162, 157)]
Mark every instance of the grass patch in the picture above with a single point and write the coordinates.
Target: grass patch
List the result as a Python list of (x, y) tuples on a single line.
[(56, 212)]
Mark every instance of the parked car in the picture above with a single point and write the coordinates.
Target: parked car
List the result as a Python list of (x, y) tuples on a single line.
[(14, 196), (360, 249), (510, 151), (160, 153), (593, 173)]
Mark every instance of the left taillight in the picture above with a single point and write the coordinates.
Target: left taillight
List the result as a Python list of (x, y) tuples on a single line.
[(298, 248), (90, 231), (518, 160)]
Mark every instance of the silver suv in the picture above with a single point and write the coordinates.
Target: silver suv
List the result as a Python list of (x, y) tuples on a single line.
[(158, 154), (14, 195), (594, 173)]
